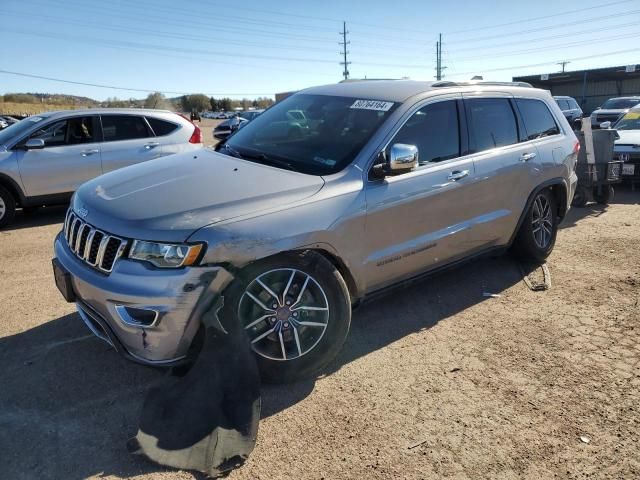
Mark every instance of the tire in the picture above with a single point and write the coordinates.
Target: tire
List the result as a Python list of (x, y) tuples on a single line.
[(579, 198), (605, 197), (537, 235), (303, 350), (7, 207)]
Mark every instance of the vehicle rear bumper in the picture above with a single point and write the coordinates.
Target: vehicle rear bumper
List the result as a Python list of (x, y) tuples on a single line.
[(179, 296)]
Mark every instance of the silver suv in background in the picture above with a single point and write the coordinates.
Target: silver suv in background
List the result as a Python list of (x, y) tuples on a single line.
[(282, 229), (44, 158), (612, 110), (570, 108)]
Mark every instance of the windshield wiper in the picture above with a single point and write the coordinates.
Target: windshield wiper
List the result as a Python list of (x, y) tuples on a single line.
[(231, 150), (267, 159)]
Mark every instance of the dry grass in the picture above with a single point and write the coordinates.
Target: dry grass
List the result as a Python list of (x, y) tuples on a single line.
[(13, 108)]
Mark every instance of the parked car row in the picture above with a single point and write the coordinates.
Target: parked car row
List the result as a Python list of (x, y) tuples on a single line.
[(331, 195), (44, 158), (610, 111), (7, 121), (227, 115), (226, 128)]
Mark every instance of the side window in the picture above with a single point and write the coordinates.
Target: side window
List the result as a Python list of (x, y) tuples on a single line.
[(71, 131), (161, 127), (434, 129), (124, 127), (538, 121), (564, 105), (573, 104), (492, 123)]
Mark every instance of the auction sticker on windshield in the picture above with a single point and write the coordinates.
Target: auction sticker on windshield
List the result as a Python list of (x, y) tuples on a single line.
[(372, 105)]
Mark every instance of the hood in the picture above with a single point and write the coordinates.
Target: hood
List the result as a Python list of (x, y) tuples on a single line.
[(629, 137), (610, 111), (169, 198)]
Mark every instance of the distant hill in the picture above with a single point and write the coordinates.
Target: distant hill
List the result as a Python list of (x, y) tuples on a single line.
[(50, 99)]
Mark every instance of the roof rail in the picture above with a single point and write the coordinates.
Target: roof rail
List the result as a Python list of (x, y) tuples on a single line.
[(448, 83)]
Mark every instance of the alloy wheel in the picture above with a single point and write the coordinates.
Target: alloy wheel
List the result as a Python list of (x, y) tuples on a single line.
[(285, 313), (542, 221), (3, 208)]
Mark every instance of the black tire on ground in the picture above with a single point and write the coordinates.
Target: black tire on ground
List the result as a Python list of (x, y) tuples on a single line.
[(339, 314), (580, 197), (532, 244), (7, 207), (605, 197)]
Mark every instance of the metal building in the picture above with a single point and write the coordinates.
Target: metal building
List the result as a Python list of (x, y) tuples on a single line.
[(589, 87)]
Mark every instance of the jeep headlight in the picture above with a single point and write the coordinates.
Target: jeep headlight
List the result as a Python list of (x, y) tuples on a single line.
[(165, 255)]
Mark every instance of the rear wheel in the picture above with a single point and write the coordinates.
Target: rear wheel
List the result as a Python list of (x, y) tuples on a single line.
[(537, 235), (605, 196), (296, 311), (7, 207)]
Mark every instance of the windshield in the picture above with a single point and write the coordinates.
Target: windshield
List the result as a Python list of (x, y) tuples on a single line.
[(15, 131), (631, 121), (620, 103), (313, 134)]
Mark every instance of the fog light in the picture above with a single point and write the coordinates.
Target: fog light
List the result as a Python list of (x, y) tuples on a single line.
[(137, 317)]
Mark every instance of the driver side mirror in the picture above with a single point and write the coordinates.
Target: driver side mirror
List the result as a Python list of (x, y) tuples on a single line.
[(605, 125), (34, 144), (402, 158)]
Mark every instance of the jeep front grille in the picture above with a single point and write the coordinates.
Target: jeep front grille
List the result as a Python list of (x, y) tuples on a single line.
[(95, 247)]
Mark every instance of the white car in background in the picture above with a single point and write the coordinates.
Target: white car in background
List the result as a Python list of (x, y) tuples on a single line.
[(627, 147), (45, 158)]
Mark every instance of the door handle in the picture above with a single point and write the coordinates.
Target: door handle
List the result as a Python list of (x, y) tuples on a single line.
[(525, 157), (86, 153), (150, 145), (457, 175)]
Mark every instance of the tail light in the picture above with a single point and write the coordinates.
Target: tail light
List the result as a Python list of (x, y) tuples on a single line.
[(196, 136), (576, 148)]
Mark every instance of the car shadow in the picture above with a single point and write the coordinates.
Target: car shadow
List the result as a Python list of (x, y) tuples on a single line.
[(39, 218), (68, 402)]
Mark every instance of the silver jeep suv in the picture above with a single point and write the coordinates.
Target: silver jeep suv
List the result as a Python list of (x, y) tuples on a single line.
[(284, 227)]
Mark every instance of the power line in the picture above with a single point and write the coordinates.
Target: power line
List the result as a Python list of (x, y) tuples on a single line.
[(542, 64), (590, 31), (557, 45), (112, 87), (531, 19), (344, 52), (548, 27)]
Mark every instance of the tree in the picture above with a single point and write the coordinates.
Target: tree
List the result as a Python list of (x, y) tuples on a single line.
[(214, 104), (197, 101), (225, 104), (156, 100)]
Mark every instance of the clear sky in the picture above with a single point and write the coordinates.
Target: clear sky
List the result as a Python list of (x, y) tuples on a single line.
[(248, 48)]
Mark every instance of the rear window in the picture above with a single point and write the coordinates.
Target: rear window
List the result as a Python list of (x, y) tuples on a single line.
[(161, 127), (124, 127), (563, 104), (538, 121), (492, 123)]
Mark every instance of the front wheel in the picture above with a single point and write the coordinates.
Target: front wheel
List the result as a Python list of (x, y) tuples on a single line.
[(7, 207), (296, 311), (537, 235)]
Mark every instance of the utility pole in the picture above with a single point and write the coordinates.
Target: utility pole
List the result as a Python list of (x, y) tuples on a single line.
[(344, 51), (563, 64), (439, 67)]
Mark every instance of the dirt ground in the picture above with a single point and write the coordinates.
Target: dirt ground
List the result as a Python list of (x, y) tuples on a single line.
[(435, 381)]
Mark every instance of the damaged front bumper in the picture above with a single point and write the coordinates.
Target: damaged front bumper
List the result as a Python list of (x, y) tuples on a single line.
[(147, 314)]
